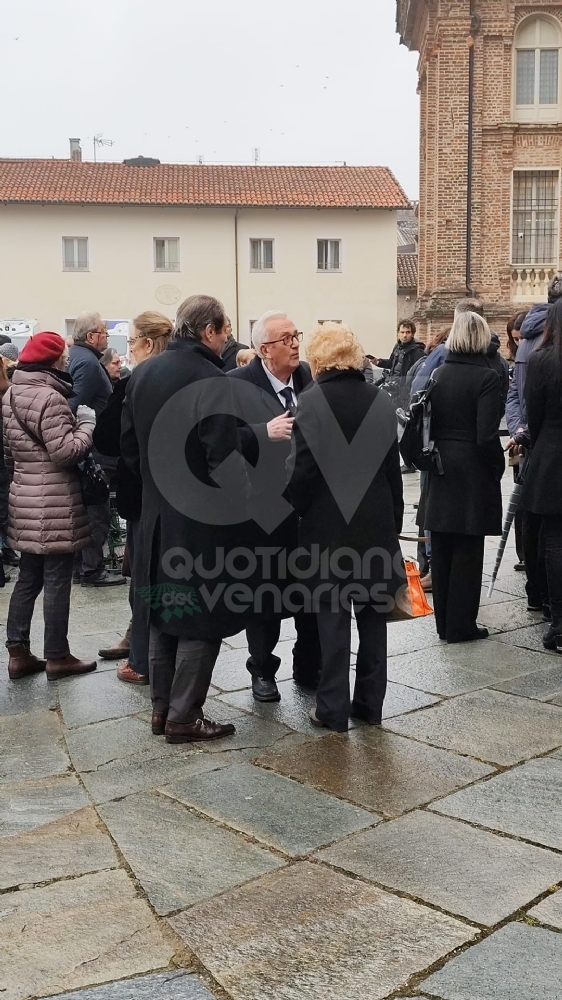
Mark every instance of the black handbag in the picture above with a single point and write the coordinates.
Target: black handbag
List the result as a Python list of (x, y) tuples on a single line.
[(93, 483)]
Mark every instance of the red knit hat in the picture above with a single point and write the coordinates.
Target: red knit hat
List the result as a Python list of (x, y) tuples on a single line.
[(43, 348)]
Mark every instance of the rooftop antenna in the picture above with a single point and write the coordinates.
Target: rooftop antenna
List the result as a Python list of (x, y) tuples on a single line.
[(256, 156), (98, 140), (200, 159)]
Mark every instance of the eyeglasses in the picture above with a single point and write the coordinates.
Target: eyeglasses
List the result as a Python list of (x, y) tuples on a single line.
[(287, 340)]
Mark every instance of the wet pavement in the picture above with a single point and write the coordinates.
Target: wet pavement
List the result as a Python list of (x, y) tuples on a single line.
[(423, 859)]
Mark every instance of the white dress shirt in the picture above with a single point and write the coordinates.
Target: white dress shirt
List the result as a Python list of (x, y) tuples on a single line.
[(278, 386)]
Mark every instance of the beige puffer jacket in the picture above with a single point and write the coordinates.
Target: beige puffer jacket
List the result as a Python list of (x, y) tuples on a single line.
[(46, 510)]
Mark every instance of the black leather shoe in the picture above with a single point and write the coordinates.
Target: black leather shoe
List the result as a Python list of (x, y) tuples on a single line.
[(309, 681), (481, 633), (265, 689), (371, 720)]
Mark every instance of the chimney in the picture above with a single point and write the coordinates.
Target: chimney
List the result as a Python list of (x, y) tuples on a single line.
[(75, 150)]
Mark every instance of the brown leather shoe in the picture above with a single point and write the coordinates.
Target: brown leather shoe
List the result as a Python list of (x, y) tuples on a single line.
[(126, 673), (68, 666), (22, 662), (159, 723), (121, 649), (192, 732)]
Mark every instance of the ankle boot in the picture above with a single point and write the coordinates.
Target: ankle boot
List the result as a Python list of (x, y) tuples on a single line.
[(22, 662), (552, 639), (68, 666)]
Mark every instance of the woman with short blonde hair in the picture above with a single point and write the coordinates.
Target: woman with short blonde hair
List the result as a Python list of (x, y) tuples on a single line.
[(346, 486), (464, 499)]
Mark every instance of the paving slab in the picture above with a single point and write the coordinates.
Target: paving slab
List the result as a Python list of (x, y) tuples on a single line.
[(407, 637), (28, 804), (544, 685), (549, 911), (447, 668), (95, 698), (507, 616), (527, 638), (32, 747), (271, 808), (490, 725), (73, 845), (172, 985), (309, 932), (79, 932), (470, 873), (139, 774), (92, 746), (251, 731), (230, 672), (30, 694), (180, 858), (376, 769), (518, 962), (525, 802), (87, 647)]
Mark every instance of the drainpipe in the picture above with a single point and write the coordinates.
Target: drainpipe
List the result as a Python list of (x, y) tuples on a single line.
[(474, 27), (236, 292)]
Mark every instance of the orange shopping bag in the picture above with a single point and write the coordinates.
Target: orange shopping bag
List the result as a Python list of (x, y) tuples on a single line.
[(411, 601)]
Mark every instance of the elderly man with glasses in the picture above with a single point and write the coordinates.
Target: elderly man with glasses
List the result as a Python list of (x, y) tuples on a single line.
[(281, 376), (92, 387)]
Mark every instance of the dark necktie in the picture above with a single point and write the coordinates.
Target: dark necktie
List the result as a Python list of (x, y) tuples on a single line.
[(287, 394)]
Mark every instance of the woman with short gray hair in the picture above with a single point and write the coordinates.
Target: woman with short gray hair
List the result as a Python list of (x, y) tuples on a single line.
[(464, 502)]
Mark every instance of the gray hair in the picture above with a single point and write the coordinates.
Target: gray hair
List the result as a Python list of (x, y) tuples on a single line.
[(470, 305), (84, 324), (259, 329), (470, 334), (108, 356)]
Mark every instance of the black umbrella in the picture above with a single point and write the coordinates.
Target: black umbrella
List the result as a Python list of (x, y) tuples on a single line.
[(512, 506)]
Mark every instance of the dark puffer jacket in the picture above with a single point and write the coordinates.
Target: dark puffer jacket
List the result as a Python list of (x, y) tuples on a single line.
[(46, 513)]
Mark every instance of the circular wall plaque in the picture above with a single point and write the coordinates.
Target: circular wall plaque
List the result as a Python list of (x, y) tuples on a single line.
[(167, 294)]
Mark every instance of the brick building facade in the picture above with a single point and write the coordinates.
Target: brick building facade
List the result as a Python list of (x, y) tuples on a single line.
[(490, 86)]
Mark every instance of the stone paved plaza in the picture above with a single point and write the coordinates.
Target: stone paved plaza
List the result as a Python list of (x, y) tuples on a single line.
[(284, 862)]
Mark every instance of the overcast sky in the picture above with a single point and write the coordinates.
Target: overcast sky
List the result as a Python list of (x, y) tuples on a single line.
[(304, 81)]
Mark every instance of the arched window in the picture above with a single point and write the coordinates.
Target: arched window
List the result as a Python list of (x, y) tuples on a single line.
[(537, 70)]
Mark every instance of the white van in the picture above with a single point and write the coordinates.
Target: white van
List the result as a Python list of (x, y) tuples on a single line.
[(19, 330)]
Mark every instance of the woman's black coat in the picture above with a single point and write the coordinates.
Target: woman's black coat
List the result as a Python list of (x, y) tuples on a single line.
[(107, 440), (542, 490), (371, 481), (182, 388), (466, 409)]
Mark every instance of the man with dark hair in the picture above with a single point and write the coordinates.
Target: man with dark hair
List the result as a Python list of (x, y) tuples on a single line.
[(177, 437), (406, 353)]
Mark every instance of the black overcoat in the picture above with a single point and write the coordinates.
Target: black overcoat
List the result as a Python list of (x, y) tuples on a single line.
[(107, 441), (371, 479), (187, 380), (466, 410), (269, 480), (542, 489), (228, 356)]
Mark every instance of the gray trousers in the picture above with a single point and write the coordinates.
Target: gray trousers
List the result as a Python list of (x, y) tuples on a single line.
[(180, 674), (53, 575)]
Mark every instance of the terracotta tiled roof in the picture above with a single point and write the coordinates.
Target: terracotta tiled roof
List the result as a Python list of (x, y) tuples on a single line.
[(63, 182), (407, 270)]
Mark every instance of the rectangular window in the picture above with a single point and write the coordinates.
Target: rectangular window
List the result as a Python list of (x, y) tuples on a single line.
[(329, 255), (261, 255), (167, 254), (75, 253), (548, 87), (525, 77), (535, 216)]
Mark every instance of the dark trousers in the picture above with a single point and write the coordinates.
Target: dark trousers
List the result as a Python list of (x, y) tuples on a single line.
[(180, 674), (333, 703), (552, 539), (53, 575), (139, 630), (89, 562), (457, 562), (263, 636), (535, 564)]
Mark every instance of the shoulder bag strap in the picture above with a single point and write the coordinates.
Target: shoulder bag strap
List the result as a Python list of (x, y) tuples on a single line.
[(23, 426)]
